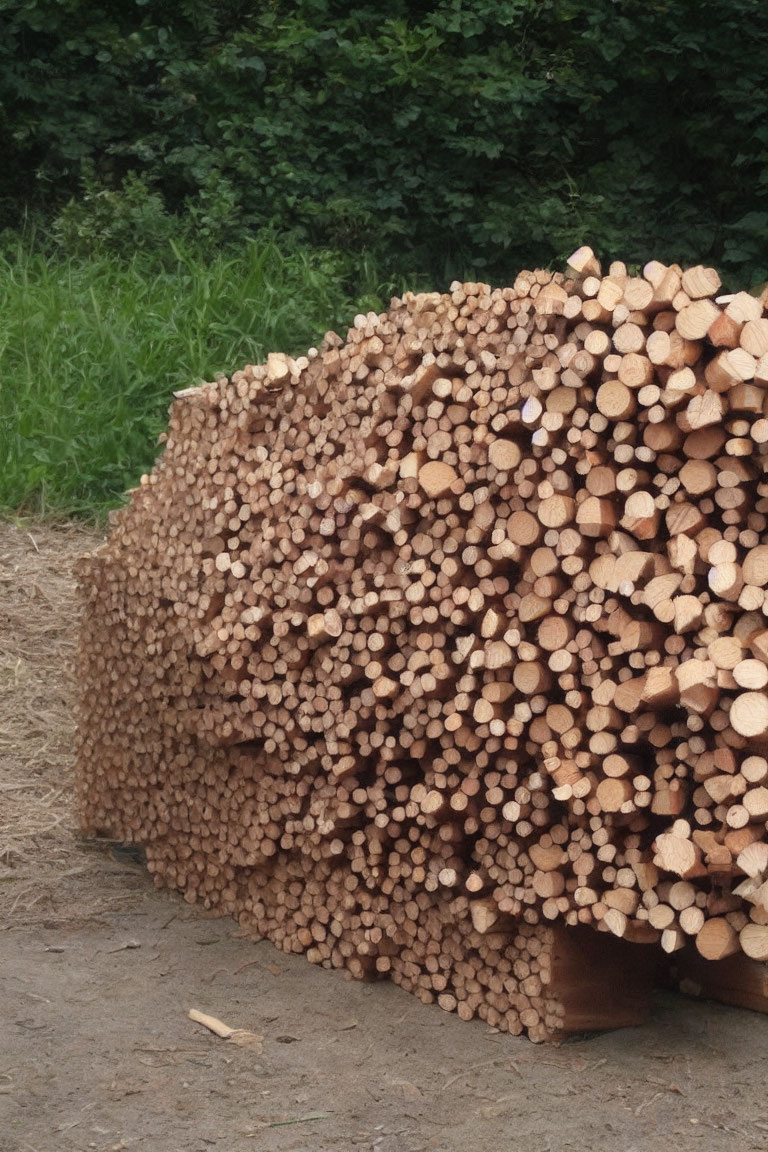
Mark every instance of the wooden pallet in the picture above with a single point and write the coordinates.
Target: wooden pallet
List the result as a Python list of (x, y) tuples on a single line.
[(605, 983), (602, 982), (735, 980)]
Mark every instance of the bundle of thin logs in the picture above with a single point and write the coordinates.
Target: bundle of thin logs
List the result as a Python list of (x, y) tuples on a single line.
[(411, 647)]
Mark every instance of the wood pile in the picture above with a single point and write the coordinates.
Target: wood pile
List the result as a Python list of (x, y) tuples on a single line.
[(417, 649)]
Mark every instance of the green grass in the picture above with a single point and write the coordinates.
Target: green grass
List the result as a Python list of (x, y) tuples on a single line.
[(91, 350)]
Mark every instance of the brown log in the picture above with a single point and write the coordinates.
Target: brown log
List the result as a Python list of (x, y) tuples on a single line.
[(717, 939)]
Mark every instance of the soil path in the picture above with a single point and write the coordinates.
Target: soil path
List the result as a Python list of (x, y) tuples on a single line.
[(98, 971)]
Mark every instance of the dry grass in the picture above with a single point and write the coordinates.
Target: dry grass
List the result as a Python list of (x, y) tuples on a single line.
[(46, 872)]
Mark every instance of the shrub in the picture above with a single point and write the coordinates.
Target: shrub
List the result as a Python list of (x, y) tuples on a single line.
[(478, 135)]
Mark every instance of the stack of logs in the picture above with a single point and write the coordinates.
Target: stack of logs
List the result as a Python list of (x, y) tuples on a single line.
[(416, 649)]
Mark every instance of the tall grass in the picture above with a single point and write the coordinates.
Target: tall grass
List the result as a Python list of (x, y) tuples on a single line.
[(92, 348)]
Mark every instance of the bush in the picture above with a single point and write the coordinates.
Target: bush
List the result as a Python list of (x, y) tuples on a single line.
[(469, 136)]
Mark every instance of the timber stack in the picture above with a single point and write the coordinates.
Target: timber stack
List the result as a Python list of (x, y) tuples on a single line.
[(418, 651)]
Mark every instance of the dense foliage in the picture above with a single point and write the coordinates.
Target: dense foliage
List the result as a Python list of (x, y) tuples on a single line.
[(448, 134)]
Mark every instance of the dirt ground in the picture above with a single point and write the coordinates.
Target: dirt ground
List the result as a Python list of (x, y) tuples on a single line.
[(98, 971)]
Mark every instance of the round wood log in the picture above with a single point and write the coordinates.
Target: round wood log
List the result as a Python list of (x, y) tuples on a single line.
[(717, 939), (749, 714)]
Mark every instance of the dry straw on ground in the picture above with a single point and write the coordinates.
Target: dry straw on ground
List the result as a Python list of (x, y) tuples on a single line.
[(44, 868)]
